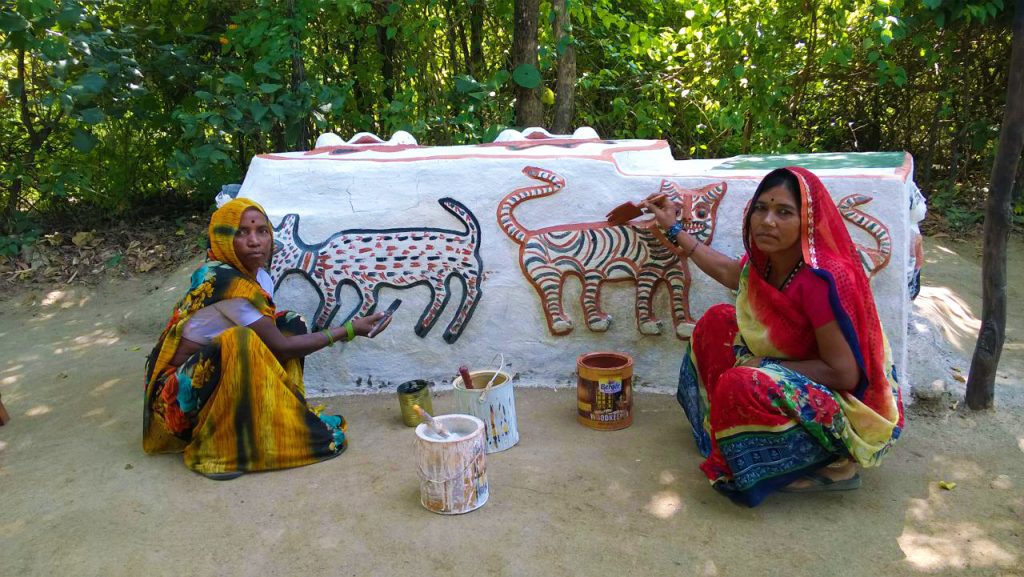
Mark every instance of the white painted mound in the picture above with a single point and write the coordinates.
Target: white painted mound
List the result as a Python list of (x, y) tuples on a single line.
[(503, 248)]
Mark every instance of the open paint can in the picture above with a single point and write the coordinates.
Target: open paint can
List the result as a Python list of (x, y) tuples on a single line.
[(492, 400), (452, 469), (604, 390), (414, 393)]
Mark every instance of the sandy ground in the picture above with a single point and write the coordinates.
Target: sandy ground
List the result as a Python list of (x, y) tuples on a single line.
[(79, 497)]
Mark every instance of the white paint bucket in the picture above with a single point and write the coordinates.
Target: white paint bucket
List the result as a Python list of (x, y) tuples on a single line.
[(494, 404), (453, 469)]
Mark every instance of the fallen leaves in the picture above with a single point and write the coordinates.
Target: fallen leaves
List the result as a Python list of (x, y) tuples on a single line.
[(947, 485), (85, 256)]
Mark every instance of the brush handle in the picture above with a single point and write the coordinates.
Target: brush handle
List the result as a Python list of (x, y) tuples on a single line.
[(467, 379), (433, 424)]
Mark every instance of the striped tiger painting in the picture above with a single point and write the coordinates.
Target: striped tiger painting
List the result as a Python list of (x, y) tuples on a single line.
[(598, 252), (873, 259)]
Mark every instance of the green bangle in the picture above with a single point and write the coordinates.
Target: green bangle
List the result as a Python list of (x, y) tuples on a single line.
[(330, 339), (350, 330)]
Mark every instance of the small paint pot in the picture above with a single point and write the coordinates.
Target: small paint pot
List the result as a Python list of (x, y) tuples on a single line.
[(604, 391), (414, 393)]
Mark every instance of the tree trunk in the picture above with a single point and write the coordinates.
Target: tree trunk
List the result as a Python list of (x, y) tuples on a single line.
[(476, 38), (981, 383), (453, 55), (565, 84), (524, 51), (386, 47), (298, 76)]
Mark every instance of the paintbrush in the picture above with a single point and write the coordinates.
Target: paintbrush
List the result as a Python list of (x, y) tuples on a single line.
[(431, 422), (627, 211), (467, 379)]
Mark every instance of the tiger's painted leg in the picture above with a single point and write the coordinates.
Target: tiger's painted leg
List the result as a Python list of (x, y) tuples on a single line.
[(597, 320), (470, 294), (679, 286), (548, 283), (646, 322), (439, 297), (368, 298), (328, 307)]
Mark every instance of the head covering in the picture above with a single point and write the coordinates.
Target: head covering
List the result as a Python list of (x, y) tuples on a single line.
[(874, 408), (223, 226)]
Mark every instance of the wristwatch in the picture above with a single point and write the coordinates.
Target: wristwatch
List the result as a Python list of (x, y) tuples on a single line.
[(673, 232)]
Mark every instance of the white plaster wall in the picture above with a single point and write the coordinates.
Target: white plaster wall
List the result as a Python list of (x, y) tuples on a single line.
[(400, 189)]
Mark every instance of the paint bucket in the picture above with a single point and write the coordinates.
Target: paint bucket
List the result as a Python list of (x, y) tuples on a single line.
[(494, 404), (604, 390), (414, 393), (453, 469)]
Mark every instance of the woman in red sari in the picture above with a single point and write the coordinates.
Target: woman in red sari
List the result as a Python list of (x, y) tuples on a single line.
[(793, 388)]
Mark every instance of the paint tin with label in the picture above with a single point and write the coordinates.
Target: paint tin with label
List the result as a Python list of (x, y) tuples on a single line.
[(414, 393), (604, 390)]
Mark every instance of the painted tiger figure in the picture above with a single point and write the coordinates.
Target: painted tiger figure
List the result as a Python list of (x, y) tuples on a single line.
[(401, 258), (873, 259), (597, 252)]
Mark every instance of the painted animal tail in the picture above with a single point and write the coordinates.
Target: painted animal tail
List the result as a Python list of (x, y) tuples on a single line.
[(466, 217), (873, 260), (508, 222)]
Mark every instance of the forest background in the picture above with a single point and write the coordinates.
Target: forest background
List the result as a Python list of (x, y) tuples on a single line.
[(115, 113)]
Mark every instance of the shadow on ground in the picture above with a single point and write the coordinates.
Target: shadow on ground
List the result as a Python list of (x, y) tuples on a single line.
[(78, 496)]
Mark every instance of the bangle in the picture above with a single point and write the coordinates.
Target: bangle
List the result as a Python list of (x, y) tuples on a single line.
[(672, 234), (350, 331), (330, 338), (693, 249)]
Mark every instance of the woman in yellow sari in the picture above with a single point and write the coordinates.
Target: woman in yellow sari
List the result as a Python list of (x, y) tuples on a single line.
[(224, 381)]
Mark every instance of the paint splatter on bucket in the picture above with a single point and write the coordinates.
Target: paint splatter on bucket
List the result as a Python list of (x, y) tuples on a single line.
[(453, 469), (604, 390), (493, 402)]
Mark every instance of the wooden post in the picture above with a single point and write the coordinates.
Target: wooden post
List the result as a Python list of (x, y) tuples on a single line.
[(981, 383)]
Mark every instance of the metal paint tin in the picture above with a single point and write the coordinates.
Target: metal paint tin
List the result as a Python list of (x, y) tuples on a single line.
[(604, 390), (495, 405), (414, 393)]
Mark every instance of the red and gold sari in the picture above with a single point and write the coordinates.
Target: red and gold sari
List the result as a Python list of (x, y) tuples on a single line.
[(762, 428), (232, 406)]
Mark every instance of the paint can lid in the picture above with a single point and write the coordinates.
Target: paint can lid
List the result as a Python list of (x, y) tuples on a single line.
[(410, 387)]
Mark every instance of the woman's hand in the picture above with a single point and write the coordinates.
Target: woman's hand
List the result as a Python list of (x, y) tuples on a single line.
[(664, 210), (363, 325)]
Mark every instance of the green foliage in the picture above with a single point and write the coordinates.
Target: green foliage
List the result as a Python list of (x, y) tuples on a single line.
[(23, 232), (141, 106)]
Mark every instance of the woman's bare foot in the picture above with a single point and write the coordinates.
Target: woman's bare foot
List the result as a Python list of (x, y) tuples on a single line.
[(842, 470)]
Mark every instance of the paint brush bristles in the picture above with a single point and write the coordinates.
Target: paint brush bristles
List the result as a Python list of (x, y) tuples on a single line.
[(431, 421), (627, 211)]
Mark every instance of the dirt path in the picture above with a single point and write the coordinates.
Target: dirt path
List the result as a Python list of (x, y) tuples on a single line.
[(78, 496)]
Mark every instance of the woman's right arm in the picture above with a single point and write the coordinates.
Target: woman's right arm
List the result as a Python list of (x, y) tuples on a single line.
[(716, 265), (297, 346)]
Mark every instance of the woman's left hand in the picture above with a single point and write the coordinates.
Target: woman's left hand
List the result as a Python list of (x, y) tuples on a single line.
[(363, 325)]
